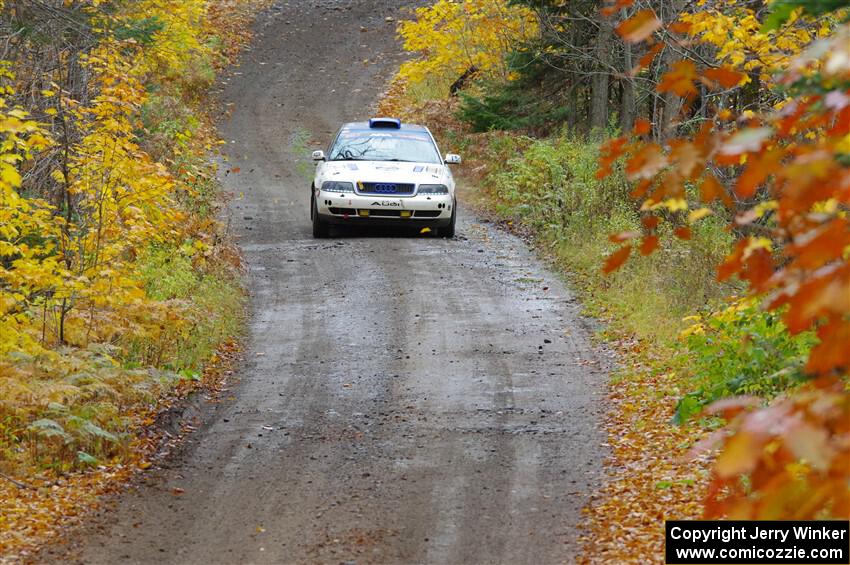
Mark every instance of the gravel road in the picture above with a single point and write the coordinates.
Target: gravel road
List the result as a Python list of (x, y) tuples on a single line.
[(404, 398)]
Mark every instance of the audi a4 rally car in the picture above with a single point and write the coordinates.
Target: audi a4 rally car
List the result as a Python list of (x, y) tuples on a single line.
[(383, 172)]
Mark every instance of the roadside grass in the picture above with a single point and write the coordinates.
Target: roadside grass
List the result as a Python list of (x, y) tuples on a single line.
[(300, 145), (212, 300)]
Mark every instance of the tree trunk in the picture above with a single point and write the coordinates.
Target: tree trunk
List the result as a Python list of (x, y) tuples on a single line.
[(627, 109), (601, 76), (672, 103), (572, 102)]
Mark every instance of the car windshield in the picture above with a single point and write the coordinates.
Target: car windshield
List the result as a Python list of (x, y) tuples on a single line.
[(372, 145)]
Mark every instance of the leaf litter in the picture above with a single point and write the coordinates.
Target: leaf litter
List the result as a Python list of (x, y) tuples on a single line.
[(651, 476)]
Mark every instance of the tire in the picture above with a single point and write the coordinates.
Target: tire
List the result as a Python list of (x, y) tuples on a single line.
[(449, 231), (321, 229)]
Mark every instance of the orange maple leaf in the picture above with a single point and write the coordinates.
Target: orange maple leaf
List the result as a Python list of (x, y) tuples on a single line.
[(639, 27), (642, 127), (680, 80), (649, 245), (727, 78), (616, 259)]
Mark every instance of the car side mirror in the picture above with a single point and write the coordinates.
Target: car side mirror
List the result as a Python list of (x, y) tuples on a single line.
[(319, 156), (452, 159)]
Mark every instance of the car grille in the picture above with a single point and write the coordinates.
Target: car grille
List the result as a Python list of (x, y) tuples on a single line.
[(385, 188)]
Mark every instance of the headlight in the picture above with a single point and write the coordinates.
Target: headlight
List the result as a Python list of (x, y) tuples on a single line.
[(433, 189), (336, 186)]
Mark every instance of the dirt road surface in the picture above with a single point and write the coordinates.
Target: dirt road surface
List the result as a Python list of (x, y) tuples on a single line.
[(405, 398)]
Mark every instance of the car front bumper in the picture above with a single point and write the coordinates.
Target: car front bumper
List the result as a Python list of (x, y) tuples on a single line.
[(424, 209)]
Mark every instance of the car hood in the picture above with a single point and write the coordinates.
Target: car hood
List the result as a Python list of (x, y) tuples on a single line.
[(382, 171)]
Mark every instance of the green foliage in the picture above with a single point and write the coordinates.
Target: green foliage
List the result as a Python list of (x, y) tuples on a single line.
[(142, 30), (168, 273), (215, 315), (509, 107), (552, 185), (168, 125), (782, 10), (49, 429), (85, 459), (741, 349)]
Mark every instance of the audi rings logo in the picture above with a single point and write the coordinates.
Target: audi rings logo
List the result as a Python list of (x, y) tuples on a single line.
[(385, 188)]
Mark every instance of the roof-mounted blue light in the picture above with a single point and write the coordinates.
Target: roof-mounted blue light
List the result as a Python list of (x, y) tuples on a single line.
[(388, 123)]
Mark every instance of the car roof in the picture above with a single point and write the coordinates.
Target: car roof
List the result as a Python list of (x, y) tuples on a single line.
[(365, 126)]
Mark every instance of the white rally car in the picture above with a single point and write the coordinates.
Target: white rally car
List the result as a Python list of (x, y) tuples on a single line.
[(383, 172)]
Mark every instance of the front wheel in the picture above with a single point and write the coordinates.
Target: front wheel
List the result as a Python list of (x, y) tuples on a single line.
[(321, 229), (449, 230)]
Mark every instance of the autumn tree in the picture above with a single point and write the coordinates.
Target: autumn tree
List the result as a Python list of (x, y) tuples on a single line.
[(83, 199), (452, 38)]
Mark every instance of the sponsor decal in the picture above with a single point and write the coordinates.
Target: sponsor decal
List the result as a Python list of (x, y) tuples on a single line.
[(387, 203), (386, 167)]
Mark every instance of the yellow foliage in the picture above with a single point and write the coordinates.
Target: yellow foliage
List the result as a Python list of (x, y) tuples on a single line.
[(71, 278), (177, 46), (742, 44), (453, 36), (28, 230)]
